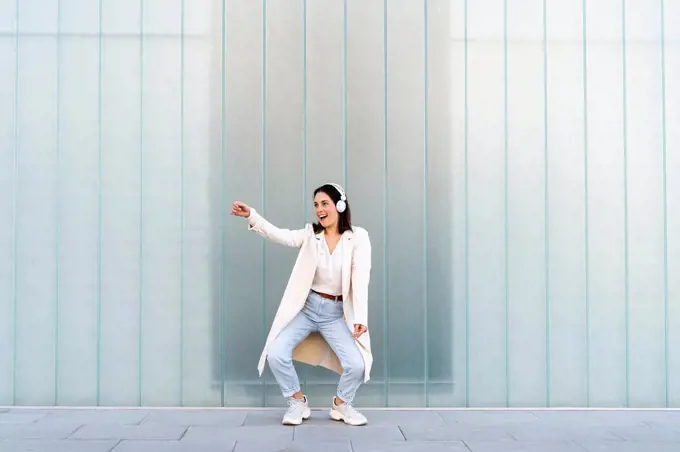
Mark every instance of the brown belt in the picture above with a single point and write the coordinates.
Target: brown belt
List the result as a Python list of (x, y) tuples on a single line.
[(329, 297)]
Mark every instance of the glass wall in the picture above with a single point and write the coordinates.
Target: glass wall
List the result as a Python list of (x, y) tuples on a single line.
[(515, 163)]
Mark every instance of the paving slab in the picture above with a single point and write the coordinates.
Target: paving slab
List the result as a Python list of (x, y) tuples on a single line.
[(219, 435), (664, 418), (56, 446), (272, 418), (293, 446), (630, 447), (19, 417), (410, 446), (118, 431), (37, 431), (486, 446), (343, 432), (197, 418), (600, 417), (171, 446), (489, 417), (645, 433), (82, 416), (559, 433), (459, 432), (410, 417)]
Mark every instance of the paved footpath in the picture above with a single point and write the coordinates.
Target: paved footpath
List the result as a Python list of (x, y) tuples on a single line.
[(207, 430)]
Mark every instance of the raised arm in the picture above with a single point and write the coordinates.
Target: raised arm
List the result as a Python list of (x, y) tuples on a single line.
[(288, 237), (257, 223)]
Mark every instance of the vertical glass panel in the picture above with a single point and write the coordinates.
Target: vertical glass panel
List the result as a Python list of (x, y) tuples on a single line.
[(606, 206), (483, 27), (672, 103), (7, 181), (162, 17), (243, 251), (603, 20), (38, 16), (122, 260), (285, 199), (37, 141), (122, 16), (365, 172), (566, 274), (405, 178), (564, 21), (79, 16), (532, 10), (325, 159), (77, 216), (162, 220), (645, 206), (202, 208), (200, 19), (8, 16), (218, 208), (439, 221), (525, 265), (486, 194), (458, 146), (643, 22)]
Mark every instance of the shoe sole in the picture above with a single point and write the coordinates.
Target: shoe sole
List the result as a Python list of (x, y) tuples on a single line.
[(305, 416), (337, 416)]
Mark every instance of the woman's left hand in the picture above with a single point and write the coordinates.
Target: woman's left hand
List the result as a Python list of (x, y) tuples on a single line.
[(359, 330)]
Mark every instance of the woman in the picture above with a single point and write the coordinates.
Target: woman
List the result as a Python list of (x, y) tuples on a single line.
[(322, 318)]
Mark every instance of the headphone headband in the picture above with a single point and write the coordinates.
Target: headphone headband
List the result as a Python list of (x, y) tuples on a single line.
[(340, 205), (339, 189)]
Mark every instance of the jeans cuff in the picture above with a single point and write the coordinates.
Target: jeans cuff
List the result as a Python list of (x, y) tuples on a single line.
[(345, 398), (289, 393)]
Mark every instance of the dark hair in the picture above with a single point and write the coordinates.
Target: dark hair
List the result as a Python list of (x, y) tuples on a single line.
[(344, 218)]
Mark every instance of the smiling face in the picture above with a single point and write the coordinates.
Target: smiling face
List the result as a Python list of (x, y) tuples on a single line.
[(325, 210)]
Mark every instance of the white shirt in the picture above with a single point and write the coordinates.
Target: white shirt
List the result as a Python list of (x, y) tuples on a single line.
[(328, 276)]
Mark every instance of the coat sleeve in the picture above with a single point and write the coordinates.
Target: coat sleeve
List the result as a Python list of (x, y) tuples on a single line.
[(292, 238), (361, 275)]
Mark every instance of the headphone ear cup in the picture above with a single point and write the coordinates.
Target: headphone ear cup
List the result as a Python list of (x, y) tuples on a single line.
[(341, 206)]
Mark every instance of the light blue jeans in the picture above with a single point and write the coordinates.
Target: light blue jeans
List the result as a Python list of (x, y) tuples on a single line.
[(324, 316)]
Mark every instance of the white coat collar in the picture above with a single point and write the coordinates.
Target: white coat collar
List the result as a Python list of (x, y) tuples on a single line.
[(347, 235)]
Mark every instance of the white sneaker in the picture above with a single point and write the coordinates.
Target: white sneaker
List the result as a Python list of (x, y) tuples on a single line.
[(298, 411), (348, 414)]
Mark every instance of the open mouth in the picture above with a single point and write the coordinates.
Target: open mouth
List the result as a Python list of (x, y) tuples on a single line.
[(323, 217)]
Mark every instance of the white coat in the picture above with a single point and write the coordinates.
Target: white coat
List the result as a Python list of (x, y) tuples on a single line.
[(356, 269)]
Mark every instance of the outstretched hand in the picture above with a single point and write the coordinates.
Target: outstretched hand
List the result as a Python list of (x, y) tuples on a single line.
[(359, 330), (240, 209)]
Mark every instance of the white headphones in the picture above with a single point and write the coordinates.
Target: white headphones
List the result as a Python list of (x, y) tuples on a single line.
[(340, 205)]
